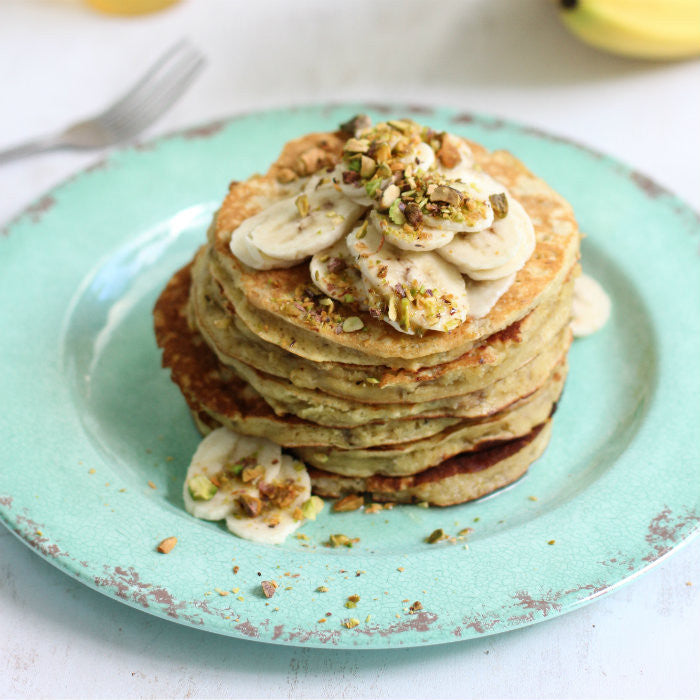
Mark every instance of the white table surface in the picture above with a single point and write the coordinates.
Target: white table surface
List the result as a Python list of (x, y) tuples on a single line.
[(504, 57)]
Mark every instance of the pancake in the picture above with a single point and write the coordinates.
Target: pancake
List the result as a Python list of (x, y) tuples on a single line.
[(484, 364), (327, 409), (440, 416), (417, 455), (276, 297), (459, 479), (210, 388)]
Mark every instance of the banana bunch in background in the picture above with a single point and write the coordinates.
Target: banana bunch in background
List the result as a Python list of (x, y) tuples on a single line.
[(652, 29)]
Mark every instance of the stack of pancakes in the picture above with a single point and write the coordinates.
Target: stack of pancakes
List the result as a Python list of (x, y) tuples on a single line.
[(441, 418)]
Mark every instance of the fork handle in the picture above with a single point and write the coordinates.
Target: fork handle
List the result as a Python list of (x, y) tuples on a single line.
[(29, 148)]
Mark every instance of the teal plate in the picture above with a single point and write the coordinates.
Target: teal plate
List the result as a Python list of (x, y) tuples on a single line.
[(90, 419)]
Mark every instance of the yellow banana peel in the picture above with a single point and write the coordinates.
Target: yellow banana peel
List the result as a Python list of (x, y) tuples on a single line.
[(650, 29)]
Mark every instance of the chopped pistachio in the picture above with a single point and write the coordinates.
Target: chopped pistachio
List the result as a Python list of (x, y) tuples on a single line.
[(436, 536), (166, 546), (312, 507), (250, 505), (372, 380), (355, 145), (371, 186), (358, 123), (384, 170), (268, 588), (302, 204), (391, 313), (404, 313), (382, 153), (400, 125), (201, 489), (373, 508), (367, 166), (448, 153), (350, 604), (390, 194), (413, 214), (322, 589), (466, 531), (444, 193), (352, 324), (249, 474), (363, 230), (351, 622), (499, 204), (348, 298), (395, 213), (351, 502), (340, 540)]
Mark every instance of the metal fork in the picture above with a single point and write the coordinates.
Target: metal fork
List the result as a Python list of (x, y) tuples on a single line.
[(150, 97)]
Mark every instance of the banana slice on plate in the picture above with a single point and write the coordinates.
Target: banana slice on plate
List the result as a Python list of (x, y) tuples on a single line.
[(420, 290), (591, 306), (497, 251), (332, 272), (484, 295), (249, 483), (294, 228), (406, 237)]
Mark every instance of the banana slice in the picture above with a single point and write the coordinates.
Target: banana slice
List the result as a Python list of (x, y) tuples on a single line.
[(232, 475), (590, 308), (527, 246), (484, 295), (407, 238), (294, 228), (332, 272), (243, 248), (421, 291), (486, 254), (422, 157)]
